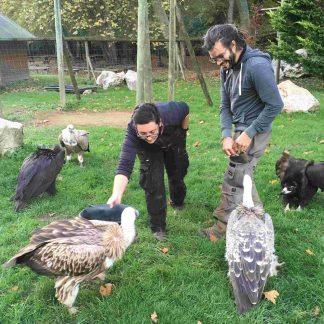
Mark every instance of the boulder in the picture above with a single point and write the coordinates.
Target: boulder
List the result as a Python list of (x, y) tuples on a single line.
[(296, 98), (110, 79), (131, 78), (11, 135)]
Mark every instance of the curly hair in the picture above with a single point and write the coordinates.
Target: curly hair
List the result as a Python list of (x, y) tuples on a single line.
[(225, 33)]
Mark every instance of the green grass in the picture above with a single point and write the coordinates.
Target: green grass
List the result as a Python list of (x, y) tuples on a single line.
[(189, 283)]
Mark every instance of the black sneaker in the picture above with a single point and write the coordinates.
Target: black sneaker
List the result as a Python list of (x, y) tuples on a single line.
[(176, 206)]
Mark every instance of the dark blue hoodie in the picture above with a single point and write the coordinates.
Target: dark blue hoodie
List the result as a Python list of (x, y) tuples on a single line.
[(249, 95)]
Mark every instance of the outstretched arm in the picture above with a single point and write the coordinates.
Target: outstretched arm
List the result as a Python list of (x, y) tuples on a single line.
[(120, 184)]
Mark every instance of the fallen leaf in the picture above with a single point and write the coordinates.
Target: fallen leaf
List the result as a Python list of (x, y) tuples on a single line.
[(201, 122), (308, 152), (105, 290), (154, 317), (59, 178), (199, 322), (310, 252), (266, 151), (196, 144), (164, 250), (271, 295), (275, 181), (315, 311), (14, 288), (212, 237), (321, 141)]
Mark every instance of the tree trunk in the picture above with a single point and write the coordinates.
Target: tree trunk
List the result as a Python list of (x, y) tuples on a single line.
[(230, 12), (244, 14)]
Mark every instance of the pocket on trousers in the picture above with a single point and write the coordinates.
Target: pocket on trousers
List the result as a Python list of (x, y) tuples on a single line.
[(145, 179)]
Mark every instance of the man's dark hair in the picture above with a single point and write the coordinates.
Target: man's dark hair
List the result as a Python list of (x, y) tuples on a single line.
[(145, 113), (225, 34)]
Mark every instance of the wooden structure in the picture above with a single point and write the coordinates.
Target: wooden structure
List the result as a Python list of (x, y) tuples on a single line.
[(13, 51)]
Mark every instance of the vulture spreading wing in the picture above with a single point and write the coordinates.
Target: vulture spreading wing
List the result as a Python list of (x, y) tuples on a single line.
[(75, 251), (74, 141), (249, 251), (38, 174)]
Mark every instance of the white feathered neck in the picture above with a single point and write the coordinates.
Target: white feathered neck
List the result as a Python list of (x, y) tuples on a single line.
[(247, 193), (128, 225)]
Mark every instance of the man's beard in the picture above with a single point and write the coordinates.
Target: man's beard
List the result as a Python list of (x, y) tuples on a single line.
[(228, 64)]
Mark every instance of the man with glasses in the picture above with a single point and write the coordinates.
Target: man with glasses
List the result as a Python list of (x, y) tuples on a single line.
[(250, 101), (157, 135)]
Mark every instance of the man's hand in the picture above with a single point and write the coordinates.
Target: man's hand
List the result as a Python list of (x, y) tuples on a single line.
[(229, 146), (243, 142), (113, 200)]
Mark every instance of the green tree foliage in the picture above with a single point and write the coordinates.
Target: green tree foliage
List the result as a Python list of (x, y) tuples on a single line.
[(300, 25)]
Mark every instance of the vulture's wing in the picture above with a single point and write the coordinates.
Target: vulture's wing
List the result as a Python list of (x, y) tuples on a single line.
[(70, 256), (248, 263), (82, 139), (52, 232), (32, 165), (61, 229)]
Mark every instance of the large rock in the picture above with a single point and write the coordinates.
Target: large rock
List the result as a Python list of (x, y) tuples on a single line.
[(131, 78), (110, 79), (11, 135), (296, 98)]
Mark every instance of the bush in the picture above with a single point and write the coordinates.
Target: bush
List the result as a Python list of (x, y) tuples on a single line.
[(300, 25)]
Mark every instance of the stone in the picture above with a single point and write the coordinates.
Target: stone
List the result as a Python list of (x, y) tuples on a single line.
[(110, 79), (11, 135), (296, 98), (131, 78)]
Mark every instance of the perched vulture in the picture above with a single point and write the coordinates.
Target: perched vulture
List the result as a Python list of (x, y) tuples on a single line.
[(249, 250), (76, 250), (38, 174), (74, 141)]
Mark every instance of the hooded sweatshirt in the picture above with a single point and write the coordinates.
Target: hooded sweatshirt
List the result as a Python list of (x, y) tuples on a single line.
[(250, 97)]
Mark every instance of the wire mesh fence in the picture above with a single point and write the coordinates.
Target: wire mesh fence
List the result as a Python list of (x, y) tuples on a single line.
[(21, 60)]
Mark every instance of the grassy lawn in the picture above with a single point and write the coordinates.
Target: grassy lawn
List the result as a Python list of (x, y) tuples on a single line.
[(189, 283)]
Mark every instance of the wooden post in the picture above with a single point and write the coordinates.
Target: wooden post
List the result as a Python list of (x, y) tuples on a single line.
[(148, 89), (59, 50), (160, 14), (71, 72), (87, 53), (172, 50), (142, 8), (193, 57)]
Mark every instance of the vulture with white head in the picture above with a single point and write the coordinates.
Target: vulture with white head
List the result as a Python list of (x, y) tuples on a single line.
[(38, 175), (76, 250), (74, 141), (250, 251)]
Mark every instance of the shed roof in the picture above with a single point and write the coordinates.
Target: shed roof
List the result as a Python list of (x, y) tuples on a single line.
[(9, 30)]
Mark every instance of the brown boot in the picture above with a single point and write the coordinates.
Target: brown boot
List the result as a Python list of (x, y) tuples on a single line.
[(215, 232)]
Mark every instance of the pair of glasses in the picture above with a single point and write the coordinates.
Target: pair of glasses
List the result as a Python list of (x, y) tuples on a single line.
[(218, 59), (153, 134)]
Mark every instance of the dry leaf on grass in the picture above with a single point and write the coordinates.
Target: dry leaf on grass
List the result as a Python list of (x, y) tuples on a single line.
[(315, 311), (164, 250), (14, 288), (310, 252), (321, 141), (201, 122), (271, 295), (199, 322), (105, 290), (154, 317), (212, 237), (196, 144), (266, 151), (275, 181)]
